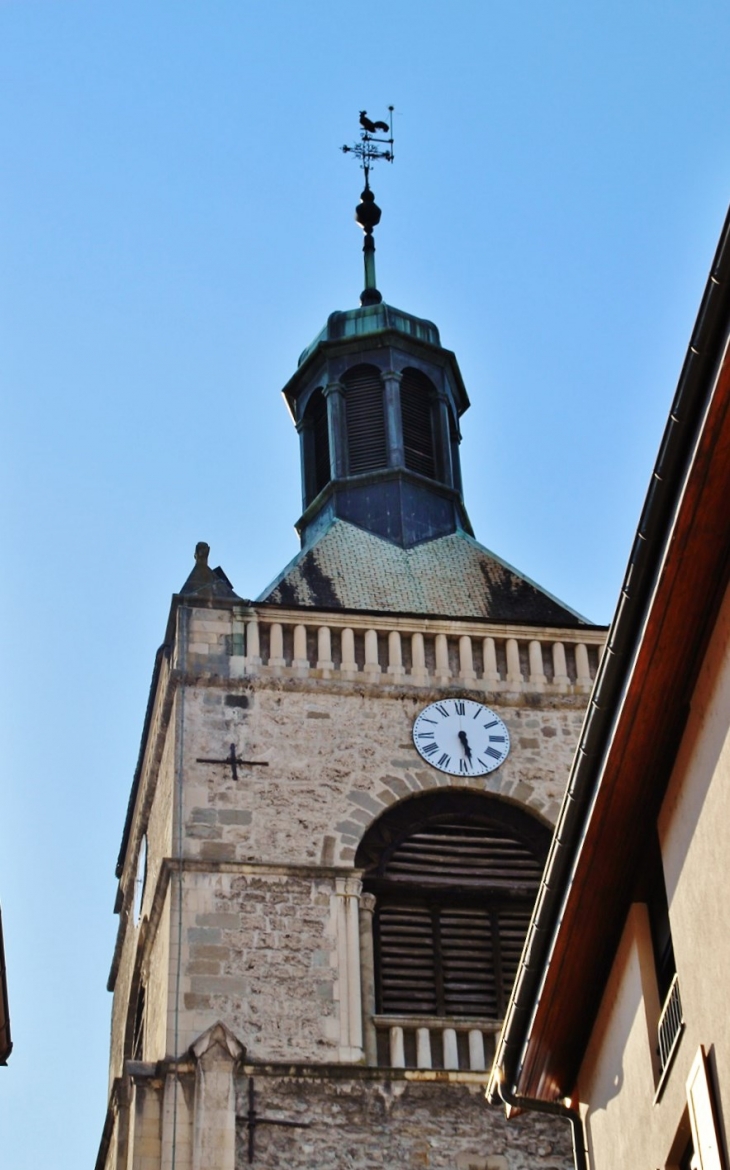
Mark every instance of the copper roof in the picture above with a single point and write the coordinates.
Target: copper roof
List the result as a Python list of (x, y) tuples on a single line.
[(452, 576)]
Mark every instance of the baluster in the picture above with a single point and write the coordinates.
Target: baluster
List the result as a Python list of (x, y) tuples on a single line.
[(443, 672), (397, 1048), (491, 674), (395, 655), (419, 674), (514, 674), (372, 666), (582, 669), (237, 660), (253, 648), (476, 1050), (349, 666), (276, 645), (560, 667), (537, 666), (451, 1051), (300, 662), (423, 1048), (324, 650), (467, 673)]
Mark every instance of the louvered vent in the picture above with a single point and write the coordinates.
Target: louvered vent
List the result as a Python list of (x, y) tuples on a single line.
[(417, 404), (317, 412), (365, 411), (407, 974), (459, 853), (453, 905)]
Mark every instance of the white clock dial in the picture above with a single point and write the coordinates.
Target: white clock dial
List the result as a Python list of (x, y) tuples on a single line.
[(461, 737)]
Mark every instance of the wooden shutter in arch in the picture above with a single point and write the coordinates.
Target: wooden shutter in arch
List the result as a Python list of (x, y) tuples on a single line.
[(417, 396), (365, 413), (454, 899)]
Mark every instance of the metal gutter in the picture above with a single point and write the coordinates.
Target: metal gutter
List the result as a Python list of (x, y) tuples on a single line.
[(645, 563)]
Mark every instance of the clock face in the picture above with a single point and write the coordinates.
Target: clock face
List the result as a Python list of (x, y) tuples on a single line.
[(461, 737)]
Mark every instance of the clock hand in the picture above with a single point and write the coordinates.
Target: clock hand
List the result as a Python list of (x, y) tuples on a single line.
[(465, 744)]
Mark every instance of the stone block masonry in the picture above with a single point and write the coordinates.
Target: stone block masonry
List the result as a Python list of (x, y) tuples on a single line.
[(260, 952), (252, 916), (350, 1123), (337, 757)]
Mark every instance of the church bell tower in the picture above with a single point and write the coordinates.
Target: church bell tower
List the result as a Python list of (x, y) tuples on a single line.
[(343, 802)]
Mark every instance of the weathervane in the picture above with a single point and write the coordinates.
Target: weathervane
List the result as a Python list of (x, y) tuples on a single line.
[(369, 150)]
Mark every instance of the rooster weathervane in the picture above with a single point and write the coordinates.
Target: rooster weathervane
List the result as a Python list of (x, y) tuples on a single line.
[(370, 149)]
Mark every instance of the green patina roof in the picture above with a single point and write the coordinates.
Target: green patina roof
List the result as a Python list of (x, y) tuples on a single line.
[(450, 576), (372, 319)]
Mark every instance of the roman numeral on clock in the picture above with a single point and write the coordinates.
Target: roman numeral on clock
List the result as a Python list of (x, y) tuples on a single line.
[(442, 710), (430, 748), (495, 755), (444, 760)]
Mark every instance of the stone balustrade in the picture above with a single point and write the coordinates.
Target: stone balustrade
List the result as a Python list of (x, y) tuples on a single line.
[(388, 650), (430, 1042)]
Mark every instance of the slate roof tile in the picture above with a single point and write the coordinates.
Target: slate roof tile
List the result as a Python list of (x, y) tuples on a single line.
[(452, 576)]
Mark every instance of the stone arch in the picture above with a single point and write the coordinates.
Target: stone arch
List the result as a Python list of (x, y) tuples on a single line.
[(454, 875), (364, 807)]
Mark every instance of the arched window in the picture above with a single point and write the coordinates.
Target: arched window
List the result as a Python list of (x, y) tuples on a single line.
[(139, 1025), (316, 417), (455, 877), (417, 405), (365, 413)]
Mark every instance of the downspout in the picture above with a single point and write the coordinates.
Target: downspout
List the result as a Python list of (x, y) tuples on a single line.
[(552, 1109)]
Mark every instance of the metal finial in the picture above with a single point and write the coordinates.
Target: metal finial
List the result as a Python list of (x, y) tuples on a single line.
[(367, 213)]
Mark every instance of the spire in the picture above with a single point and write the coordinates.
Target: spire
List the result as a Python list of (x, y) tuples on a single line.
[(367, 213)]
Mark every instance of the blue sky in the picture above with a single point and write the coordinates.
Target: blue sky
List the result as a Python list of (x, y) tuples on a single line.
[(175, 226)]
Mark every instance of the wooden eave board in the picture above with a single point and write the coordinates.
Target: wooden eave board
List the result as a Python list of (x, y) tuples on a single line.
[(639, 762)]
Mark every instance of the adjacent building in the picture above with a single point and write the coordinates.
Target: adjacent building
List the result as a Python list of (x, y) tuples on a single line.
[(619, 1018)]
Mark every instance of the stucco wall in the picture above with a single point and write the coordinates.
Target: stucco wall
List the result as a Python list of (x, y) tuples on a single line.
[(617, 1080)]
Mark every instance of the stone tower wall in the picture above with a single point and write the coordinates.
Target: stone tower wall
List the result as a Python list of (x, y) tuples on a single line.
[(250, 889)]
